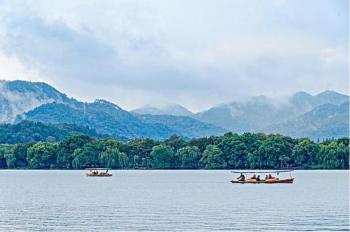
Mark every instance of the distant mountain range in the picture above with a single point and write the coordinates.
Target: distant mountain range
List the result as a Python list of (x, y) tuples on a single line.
[(323, 121), (108, 118), (320, 116), (18, 97), (171, 109), (39, 102), (324, 115)]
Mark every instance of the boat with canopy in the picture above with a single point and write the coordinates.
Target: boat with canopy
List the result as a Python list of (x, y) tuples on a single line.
[(269, 178), (98, 172)]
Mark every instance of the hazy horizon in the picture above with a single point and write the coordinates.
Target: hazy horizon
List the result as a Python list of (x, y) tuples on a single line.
[(277, 101), (194, 53)]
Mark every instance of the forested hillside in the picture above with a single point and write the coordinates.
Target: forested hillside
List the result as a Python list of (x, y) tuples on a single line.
[(318, 117), (27, 132), (18, 97), (231, 151), (108, 118)]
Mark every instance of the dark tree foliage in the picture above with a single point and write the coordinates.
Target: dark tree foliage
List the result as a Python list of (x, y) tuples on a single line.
[(27, 131), (163, 157), (67, 147), (189, 157), (42, 155), (231, 151)]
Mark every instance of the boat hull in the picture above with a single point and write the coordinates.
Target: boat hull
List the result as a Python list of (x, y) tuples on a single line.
[(272, 181), (98, 175)]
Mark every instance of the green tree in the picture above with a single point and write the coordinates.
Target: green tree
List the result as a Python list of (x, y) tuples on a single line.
[(20, 151), (42, 155), (7, 157), (139, 149), (229, 151), (123, 160), (110, 158), (213, 158), (202, 143), (85, 157), (175, 141), (234, 150), (344, 141), (334, 156), (67, 147), (305, 154), (2, 155), (10, 160), (189, 157), (254, 160), (163, 156), (272, 149), (284, 159)]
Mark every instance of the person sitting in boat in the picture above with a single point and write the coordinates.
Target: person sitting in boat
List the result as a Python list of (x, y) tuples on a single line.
[(258, 178), (271, 177), (254, 177), (241, 177), (266, 177)]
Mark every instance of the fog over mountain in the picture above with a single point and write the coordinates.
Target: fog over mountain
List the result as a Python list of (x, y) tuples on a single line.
[(197, 53), (319, 116), (168, 109), (17, 97), (324, 121), (302, 111), (36, 101)]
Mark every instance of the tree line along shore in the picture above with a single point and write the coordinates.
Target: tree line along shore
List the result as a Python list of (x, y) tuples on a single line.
[(230, 151)]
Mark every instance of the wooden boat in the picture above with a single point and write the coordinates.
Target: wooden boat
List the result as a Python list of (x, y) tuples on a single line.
[(98, 172), (270, 180)]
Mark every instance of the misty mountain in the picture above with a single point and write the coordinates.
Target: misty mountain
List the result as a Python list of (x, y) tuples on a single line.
[(324, 121), (103, 116), (323, 115), (304, 102), (17, 97), (240, 117), (108, 118), (22, 100), (303, 115), (171, 109), (184, 125)]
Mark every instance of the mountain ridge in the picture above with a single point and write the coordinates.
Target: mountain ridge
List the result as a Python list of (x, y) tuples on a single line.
[(38, 101), (169, 109)]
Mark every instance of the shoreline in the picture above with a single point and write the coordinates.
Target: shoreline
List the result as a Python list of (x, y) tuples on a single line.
[(37, 169)]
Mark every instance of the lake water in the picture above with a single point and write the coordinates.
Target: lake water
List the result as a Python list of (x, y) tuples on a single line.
[(47, 200)]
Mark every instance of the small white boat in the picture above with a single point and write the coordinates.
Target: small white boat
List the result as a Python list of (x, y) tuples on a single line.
[(98, 172)]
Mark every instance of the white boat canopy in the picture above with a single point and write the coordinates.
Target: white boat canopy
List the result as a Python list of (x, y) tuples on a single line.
[(267, 171)]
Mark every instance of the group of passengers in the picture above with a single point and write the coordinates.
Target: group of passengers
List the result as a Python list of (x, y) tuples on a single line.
[(254, 177)]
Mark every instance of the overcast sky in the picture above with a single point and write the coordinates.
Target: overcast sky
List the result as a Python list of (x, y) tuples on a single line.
[(194, 52)]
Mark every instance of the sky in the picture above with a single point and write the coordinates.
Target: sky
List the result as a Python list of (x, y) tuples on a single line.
[(197, 53)]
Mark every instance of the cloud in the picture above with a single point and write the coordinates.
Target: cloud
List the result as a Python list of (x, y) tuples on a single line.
[(12, 68), (196, 53), (19, 103)]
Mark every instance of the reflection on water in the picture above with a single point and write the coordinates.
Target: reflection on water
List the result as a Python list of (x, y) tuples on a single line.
[(170, 201)]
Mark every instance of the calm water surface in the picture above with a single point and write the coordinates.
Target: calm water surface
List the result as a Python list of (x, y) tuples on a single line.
[(41, 200)]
